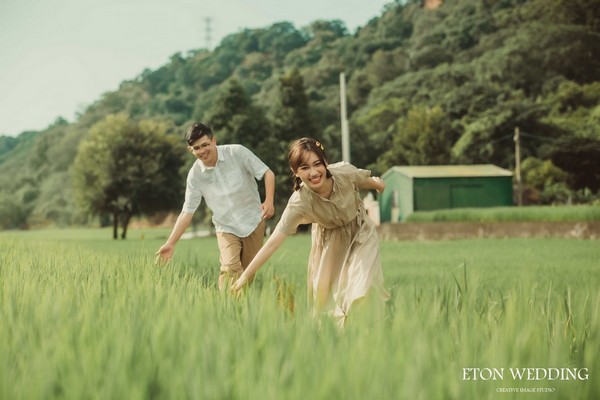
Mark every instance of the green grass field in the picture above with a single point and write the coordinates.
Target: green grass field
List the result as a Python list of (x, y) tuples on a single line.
[(570, 213), (86, 317)]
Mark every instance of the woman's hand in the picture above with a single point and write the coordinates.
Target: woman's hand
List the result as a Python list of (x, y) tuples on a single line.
[(239, 284)]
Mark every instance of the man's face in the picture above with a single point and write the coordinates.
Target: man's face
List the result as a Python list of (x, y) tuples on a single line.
[(205, 150)]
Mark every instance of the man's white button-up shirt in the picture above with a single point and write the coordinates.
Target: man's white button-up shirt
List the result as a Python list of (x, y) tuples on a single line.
[(229, 189)]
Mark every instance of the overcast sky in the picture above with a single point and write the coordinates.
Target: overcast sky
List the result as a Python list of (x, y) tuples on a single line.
[(58, 56)]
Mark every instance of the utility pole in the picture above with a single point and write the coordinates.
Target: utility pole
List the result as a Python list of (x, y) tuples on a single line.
[(207, 32), (345, 129), (517, 139)]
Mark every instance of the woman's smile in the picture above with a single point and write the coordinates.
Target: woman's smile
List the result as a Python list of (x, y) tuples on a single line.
[(315, 180)]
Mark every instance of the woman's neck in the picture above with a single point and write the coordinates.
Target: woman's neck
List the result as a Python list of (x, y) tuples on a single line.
[(326, 189)]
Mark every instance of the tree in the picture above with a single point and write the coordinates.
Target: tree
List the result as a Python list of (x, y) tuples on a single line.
[(126, 168), (13, 214), (424, 137), (537, 52), (7, 143), (291, 120), (487, 136), (386, 66), (292, 116), (544, 182), (580, 157), (281, 38), (235, 119), (378, 123)]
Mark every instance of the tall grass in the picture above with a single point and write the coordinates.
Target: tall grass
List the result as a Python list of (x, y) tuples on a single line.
[(89, 318), (577, 213)]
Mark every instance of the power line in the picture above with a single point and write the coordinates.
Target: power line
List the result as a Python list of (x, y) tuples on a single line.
[(538, 137), (500, 139)]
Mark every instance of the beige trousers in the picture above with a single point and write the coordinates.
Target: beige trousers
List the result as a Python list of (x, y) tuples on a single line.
[(237, 252)]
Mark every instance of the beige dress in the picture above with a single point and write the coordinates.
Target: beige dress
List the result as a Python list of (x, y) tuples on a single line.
[(344, 264)]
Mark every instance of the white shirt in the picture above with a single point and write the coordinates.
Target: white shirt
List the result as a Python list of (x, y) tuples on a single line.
[(229, 189)]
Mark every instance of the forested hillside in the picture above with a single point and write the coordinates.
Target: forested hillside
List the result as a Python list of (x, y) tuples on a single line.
[(443, 86)]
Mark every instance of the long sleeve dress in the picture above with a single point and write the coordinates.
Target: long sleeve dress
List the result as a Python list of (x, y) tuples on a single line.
[(343, 264)]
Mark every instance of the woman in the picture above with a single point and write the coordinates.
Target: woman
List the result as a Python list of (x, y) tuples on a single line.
[(344, 264)]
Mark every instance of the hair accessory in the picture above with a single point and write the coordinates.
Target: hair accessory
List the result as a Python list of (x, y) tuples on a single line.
[(319, 145)]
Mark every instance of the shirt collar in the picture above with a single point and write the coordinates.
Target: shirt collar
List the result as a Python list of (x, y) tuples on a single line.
[(221, 156)]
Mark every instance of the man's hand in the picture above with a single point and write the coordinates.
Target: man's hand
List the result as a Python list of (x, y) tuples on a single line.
[(164, 254), (267, 210)]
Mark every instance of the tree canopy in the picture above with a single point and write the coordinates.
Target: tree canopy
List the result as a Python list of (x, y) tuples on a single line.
[(125, 168)]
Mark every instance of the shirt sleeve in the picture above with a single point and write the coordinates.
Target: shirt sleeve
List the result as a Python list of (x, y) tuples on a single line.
[(193, 195), (355, 175), (361, 176), (291, 217), (252, 163)]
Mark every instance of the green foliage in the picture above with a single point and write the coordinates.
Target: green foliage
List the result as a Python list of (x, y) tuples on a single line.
[(51, 202), (514, 214), (12, 148), (236, 119), (127, 168), (279, 39), (291, 115), (572, 12), (574, 108), (385, 66), (529, 58), (581, 158), (548, 182), (292, 120), (7, 143), (12, 213), (424, 137)]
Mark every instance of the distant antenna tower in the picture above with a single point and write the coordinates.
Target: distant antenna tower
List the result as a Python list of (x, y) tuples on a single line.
[(207, 33)]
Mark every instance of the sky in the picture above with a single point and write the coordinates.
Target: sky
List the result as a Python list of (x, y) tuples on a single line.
[(59, 56)]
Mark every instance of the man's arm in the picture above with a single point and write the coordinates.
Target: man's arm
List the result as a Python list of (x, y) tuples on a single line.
[(267, 207), (166, 250)]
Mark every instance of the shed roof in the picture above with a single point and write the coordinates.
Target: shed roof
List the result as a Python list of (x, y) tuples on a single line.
[(449, 171)]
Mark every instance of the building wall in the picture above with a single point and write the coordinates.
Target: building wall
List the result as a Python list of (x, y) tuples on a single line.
[(440, 193), (404, 195), (386, 199), (397, 201)]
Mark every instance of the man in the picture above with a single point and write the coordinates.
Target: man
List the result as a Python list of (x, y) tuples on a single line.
[(225, 176)]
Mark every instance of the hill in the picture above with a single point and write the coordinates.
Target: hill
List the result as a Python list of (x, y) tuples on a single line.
[(424, 86)]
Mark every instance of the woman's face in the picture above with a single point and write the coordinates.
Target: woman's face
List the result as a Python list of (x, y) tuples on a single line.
[(312, 171)]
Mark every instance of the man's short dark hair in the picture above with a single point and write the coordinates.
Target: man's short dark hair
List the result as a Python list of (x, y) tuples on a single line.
[(196, 131)]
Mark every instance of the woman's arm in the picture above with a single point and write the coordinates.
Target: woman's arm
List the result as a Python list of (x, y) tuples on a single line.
[(374, 182), (272, 244)]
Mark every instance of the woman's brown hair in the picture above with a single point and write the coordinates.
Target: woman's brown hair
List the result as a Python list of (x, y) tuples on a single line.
[(298, 154)]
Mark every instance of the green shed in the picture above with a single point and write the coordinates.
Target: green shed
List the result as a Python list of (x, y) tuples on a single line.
[(424, 188)]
